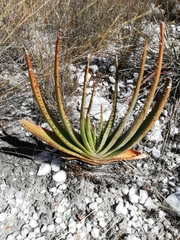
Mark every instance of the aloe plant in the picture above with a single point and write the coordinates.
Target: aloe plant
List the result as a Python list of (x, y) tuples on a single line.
[(105, 144)]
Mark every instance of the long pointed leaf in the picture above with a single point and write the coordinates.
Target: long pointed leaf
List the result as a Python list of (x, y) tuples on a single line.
[(58, 130), (59, 100), (88, 126), (119, 129), (50, 138), (112, 115), (82, 118), (148, 122), (123, 139)]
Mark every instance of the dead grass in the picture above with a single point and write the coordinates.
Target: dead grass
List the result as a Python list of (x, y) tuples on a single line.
[(86, 27)]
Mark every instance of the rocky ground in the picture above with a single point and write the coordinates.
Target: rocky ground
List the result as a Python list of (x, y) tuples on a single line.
[(44, 197)]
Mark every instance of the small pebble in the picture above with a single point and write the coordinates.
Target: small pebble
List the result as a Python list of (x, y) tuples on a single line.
[(93, 205), (143, 196), (44, 169), (43, 229), (33, 223), (156, 152), (60, 176), (112, 80), (172, 204), (50, 227), (112, 69), (3, 216), (41, 238), (10, 237), (95, 233), (24, 232)]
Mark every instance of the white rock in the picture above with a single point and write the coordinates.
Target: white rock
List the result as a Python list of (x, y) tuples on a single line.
[(31, 235), (88, 227), (102, 223), (72, 226), (24, 232), (149, 204), (44, 169), (53, 190), (132, 237), (95, 111), (10, 237), (33, 223), (133, 197), (35, 216), (19, 237), (43, 229), (93, 68), (125, 190), (155, 133), (143, 196), (177, 158), (123, 224), (121, 85), (112, 69), (3, 216), (70, 237), (71, 67), (100, 214), (82, 234), (60, 176), (173, 202), (50, 227), (37, 230), (3, 187), (112, 80), (150, 221), (60, 209), (80, 77), (99, 200), (93, 205), (95, 233), (63, 225), (41, 238), (169, 236), (120, 208), (139, 182), (58, 220), (156, 152), (155, 230), (19, 201)]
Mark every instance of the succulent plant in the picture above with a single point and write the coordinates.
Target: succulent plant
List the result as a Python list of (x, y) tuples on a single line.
[(107, 143)]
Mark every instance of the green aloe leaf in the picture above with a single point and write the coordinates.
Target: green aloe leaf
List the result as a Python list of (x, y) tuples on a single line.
[(82, 118), (151, 118), (88, 128), (119, 129), (56, 127), (51, 138), (110, 122), (123, 139)]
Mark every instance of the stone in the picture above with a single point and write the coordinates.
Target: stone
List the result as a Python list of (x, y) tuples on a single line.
[(93, 205), (172, 204), (95, 233), (44, 169), (60, 176)]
